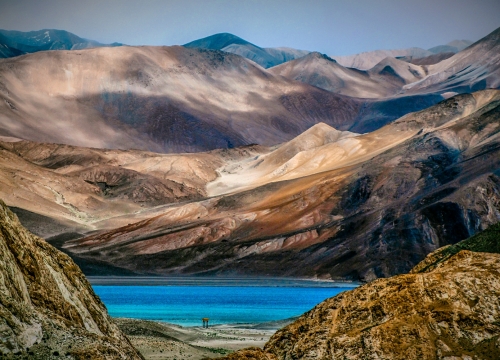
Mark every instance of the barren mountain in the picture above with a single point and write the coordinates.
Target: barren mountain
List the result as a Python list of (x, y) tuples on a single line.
[(321, 71), (158, 98), (474, 68), (453, 46), (341, 205), (265, 57), (449, 312), (80, 187), (384, 80), (48, 308), (367, 60)]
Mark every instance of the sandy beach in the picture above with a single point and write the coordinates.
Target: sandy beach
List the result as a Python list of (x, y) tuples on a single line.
[(158, 341)]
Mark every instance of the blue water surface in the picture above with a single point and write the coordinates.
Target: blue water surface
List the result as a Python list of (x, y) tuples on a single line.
[(186, 305)]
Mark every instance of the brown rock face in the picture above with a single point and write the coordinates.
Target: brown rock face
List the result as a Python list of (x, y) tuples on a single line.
[(47, 306), (451, 312)]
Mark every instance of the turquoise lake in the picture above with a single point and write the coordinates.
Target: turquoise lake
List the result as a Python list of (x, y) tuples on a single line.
[(224, 302)]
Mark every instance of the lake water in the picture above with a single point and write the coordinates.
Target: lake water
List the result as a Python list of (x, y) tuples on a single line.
[(185, 302)]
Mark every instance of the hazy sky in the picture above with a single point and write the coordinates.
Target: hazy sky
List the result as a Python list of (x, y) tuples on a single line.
[(334, 27)]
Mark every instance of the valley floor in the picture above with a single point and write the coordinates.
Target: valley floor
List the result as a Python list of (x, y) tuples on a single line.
[(157, 340)]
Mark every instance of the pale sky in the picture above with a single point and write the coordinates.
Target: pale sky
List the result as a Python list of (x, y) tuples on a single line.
[(334, 27)]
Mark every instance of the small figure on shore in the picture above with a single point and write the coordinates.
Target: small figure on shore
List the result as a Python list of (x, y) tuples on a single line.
[(205, 322)]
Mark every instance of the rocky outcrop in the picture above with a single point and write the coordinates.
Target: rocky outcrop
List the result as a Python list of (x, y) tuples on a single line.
[(47, 306), (450, 312)]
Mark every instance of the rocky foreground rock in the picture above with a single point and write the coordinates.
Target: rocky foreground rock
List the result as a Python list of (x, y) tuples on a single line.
[(451, 310), (47, 307)]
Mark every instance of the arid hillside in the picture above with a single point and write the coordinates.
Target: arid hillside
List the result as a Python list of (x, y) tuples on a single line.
[(340, 204), (165, 99)]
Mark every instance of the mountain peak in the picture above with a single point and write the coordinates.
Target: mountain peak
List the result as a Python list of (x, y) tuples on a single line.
[(319, 55), (217, 41)]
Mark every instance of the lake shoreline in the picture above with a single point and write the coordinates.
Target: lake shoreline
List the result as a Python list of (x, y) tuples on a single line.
[(216, 281)]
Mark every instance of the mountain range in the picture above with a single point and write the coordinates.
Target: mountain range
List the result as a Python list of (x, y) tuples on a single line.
[(342, 205), (265, 57), (176, 99), (196, 160), (15, 43), (221, 158)]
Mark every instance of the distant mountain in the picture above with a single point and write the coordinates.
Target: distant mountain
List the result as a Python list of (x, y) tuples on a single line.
[(385, 79), (20, 42), (322, 71), (265, 57), (453, 46), (367, 60), (217, 42), (474, 68), (427, 60)]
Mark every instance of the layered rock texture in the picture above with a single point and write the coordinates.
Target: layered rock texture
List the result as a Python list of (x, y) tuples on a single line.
[(328, 204), (449, 312), (335, 184), (47, 306)]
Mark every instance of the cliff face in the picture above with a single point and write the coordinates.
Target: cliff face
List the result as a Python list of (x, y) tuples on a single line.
[(450, 312), (47, 307)]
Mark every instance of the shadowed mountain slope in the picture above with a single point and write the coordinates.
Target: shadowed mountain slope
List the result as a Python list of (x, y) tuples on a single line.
[(47, 306), (342, 205), (487, 241), (158, 98)]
